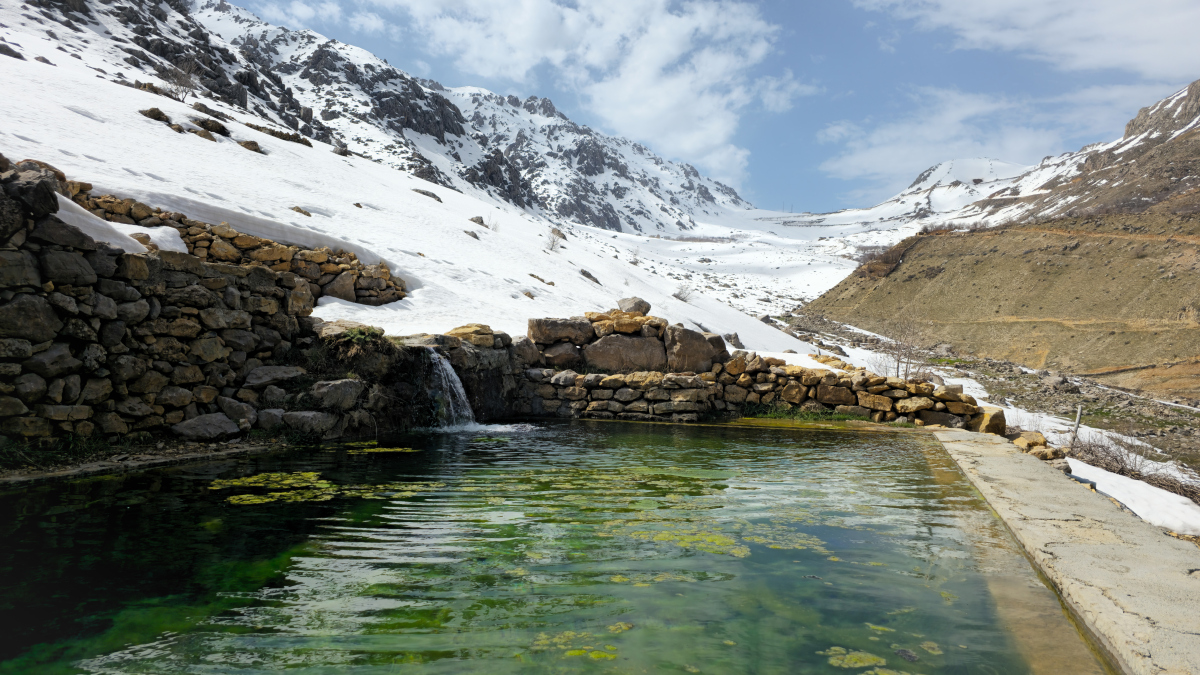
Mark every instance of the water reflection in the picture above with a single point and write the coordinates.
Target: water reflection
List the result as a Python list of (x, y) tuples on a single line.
[(580, 547)]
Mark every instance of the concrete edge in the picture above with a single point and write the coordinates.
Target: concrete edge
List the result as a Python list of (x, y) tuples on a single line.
[(1132, 587)]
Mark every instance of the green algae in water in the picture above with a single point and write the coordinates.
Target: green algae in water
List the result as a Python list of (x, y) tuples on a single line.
[(559, 551)]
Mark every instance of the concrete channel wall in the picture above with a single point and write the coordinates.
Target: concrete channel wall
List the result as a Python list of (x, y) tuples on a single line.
[(1135, 589)]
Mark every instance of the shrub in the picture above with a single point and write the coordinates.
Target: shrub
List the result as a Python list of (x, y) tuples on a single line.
[(281, 135)]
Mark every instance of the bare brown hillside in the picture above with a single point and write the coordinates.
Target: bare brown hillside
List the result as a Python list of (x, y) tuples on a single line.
[(1114, 296)]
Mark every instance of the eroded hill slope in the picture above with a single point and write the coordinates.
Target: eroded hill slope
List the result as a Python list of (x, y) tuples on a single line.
[(1114, 296)]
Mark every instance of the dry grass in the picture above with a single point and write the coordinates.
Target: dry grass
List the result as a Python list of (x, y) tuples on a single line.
[(1125, 458)]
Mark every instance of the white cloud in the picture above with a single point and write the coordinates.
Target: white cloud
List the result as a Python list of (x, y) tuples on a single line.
[(1152, 38), (298, 13), (675, 75), (367, 22)]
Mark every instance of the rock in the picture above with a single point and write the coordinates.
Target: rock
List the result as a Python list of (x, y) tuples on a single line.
[(475, 333), (215, 318), (271, 418), (855, 410), (174, 397), (794, 393), (265, 375), (834, 395), (341, 287), (29, 427), (562, 355), (12, 348), (29, 317), (51, 230), (949, 392), (945, 419), (549, 331), (688, 350), (96, 390), (111, 423), (19, 268), (133, 312), (36, 190), (989, 421), (564, 379), (11, 407), (134, 407), (1047, 454), (52, 362), (734, 341), (624, 354), (67, 268), (238, 411), (735, 394), (209, 349), (881, 403), (644, 380), (337, 394), (126, 367), (634, 304), (332, 330), (526, 352), (913, 404), (1028, 439), (151, 382), (222, 250), (207, 427), (310, 422), (961, 409)]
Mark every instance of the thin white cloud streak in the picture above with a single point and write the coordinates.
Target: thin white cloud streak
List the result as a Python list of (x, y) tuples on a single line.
[(1155, 39), (943, 125), (674, 75)]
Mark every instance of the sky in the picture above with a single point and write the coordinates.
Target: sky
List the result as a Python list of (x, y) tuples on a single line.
[(801, 106)]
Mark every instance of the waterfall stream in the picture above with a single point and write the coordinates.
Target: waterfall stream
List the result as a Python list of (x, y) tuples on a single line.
[(455, 409)]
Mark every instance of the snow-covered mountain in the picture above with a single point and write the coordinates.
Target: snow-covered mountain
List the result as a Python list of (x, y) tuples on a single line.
[(524, 152)]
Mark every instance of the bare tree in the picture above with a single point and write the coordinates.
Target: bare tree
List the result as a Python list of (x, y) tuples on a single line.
[(683, 293), (181, 80), (555, 240), (903, 348)]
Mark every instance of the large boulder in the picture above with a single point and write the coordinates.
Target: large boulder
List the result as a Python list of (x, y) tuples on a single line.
[(51, 230), (688, 350), (29, 317), (337, 394), (207, 427), (562, 355), (634, 304), (625, 354), (913, 404), (549, 331)]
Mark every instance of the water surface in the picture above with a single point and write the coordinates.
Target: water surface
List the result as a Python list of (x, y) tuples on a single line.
[(581, 547)]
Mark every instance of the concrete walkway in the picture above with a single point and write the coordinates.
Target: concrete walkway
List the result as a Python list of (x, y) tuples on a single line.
[(1135, 589)]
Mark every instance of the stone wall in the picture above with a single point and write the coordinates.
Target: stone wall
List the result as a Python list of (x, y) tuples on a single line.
[(327, 272)]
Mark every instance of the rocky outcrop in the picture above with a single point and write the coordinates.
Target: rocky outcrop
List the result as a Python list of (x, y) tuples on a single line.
[(623, 341)]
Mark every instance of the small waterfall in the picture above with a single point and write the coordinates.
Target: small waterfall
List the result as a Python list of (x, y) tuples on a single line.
[(454, 409)]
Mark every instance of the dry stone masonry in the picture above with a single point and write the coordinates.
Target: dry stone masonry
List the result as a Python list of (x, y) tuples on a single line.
[(327, 272)]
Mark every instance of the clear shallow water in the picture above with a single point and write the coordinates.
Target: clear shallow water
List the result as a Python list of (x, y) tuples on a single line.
[(606, 548)]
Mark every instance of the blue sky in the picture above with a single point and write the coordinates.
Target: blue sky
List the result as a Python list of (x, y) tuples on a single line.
[(811, 106)]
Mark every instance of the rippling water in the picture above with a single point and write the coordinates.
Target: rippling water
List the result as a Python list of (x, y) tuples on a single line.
[(565, 548)]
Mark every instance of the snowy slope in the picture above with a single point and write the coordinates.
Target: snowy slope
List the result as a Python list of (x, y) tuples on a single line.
[(90, 128)]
